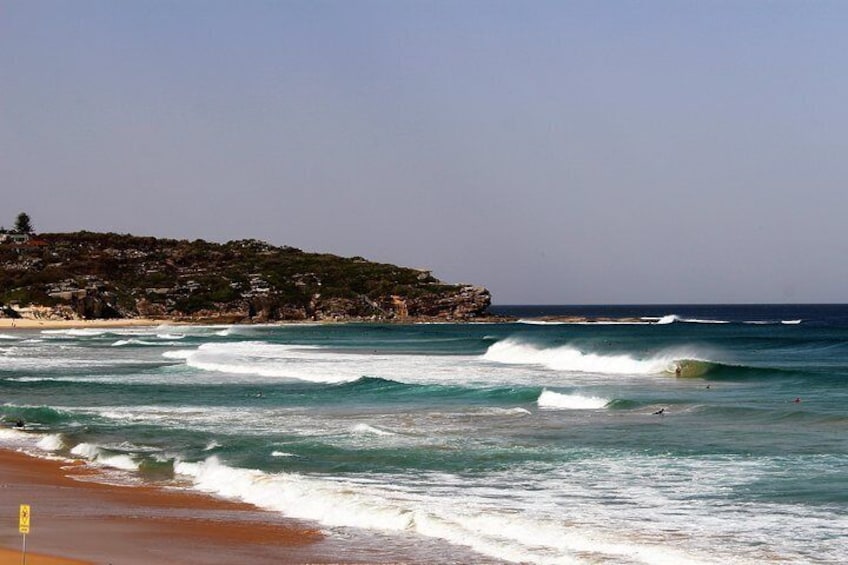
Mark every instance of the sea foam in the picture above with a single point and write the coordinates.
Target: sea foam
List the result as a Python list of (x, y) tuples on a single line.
[(505, 535)]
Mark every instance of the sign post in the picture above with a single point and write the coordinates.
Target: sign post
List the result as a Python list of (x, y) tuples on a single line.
[(23, 527)]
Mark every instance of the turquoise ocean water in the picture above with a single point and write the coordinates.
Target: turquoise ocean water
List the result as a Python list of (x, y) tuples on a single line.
[(513, 442)]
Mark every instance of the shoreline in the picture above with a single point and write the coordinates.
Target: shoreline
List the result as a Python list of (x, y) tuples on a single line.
[(13, 324), (75, 521), (37, 324)]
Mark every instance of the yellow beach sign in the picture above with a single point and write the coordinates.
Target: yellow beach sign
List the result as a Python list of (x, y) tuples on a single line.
[(23, 523)]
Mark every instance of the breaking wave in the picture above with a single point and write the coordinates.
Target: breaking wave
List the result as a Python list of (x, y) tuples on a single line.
[(98, 456), (571, 359), (558, 401)]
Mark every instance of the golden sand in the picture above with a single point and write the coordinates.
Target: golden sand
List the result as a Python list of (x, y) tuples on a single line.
[(88, 522), (32, 323)]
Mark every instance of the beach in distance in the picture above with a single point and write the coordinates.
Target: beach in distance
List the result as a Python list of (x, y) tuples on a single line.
[(34, 323), (567, 435)]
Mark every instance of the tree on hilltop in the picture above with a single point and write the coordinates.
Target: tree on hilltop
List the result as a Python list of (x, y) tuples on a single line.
[(23, 223)]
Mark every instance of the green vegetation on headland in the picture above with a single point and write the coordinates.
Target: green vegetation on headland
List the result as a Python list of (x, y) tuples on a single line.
[(87, 275)]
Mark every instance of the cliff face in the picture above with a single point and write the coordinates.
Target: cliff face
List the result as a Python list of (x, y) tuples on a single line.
[(92, 275)]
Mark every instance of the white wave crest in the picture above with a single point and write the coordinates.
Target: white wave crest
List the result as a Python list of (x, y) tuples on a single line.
[(76, 332), (133, 341), (587, 322), (32, 379), (791, 322), (170, 336), (558, 401), (179, 354), (7, 336), (51, 442), (532, 322), (672, 318), (262, 359), (276, 453), (95, 455), (122, 462), (86, 450), (368, 429), (567, 358)]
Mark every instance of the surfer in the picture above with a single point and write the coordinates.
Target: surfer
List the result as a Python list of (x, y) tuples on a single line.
[(19, 423), (660, 412), (677, 371)]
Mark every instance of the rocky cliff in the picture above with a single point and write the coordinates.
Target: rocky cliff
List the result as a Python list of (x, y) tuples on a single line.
[(104, 275)]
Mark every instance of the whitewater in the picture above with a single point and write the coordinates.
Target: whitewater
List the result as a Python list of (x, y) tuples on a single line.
[(698, 436)]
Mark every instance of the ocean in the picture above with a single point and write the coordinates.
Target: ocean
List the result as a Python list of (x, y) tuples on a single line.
[(528, 442)]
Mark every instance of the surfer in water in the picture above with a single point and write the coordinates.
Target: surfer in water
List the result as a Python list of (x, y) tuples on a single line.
[(660, 412)]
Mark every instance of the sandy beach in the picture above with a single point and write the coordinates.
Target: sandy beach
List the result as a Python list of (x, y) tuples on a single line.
[(35, 324), (77, 521)]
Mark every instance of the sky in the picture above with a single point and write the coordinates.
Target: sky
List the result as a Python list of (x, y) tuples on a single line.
[(562, 152)]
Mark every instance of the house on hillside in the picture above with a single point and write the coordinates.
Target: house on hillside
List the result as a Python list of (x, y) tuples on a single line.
[(14, 238)]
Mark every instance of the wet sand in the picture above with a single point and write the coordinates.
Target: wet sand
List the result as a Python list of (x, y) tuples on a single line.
[(87, 522)]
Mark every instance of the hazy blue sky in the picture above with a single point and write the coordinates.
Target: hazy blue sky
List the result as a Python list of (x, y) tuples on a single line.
[(556, 152)]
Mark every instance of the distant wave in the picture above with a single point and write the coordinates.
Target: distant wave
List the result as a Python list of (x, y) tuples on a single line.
[(672, 318), (259, 358), (133, 341), (7, 336), (170, 336), (566, 358), (587, 322), (555, 400), (76, 332), (371, 430), (642, 321), (531, 322)]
